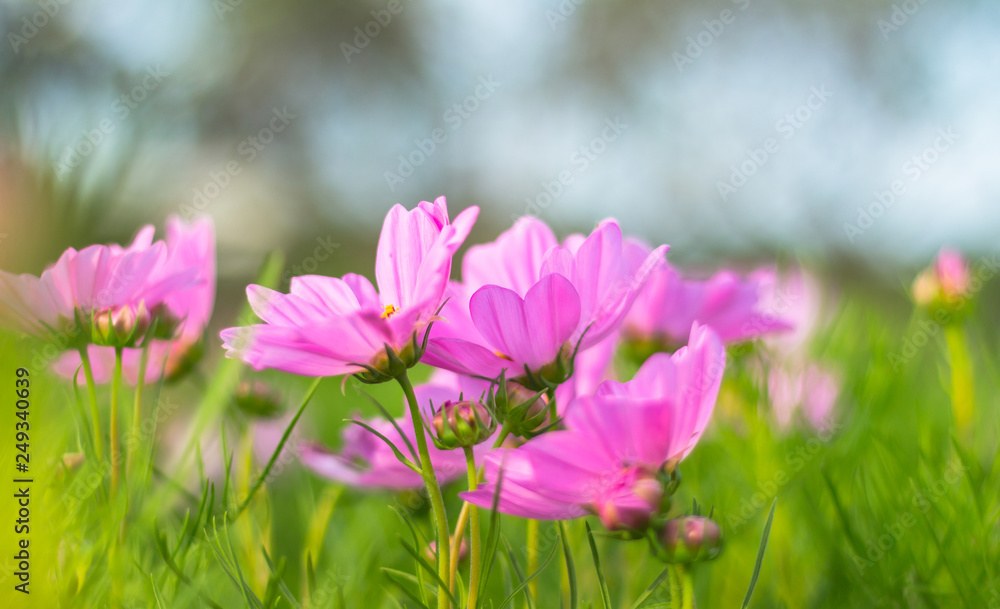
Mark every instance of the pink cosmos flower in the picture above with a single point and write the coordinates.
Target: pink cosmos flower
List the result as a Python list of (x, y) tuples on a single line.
[(96, 279), (947, 280), (188, 247), (812, 390), (526, 300), (735, 307), (607, 459), (327, 326), (365, 460)]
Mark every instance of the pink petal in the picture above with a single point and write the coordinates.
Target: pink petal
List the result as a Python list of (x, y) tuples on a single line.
[(464, 357), (512, 261), (530, 331)]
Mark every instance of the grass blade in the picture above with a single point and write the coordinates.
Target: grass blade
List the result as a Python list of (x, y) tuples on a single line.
[(652, 587), (277, 451), (760, 554), (570, 568), (600, 572)]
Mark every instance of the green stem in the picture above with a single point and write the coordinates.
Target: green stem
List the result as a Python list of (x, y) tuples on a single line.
[(962, 385), (463, 515), (532, 543), (116, 386), (687, 587), (133, 441), (114, 554), (95, 414), (433, 489), (474, 551)]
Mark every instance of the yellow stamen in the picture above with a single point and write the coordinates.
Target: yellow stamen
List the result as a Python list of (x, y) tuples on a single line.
[(504, 356), (388, 311)]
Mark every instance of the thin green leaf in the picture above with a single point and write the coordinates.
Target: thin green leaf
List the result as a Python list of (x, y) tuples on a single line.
[(528, 579), (388, 416), (281, 583), (597, 565), (570, 568), (430, 569), (492, 537), (652, 587), (392, 576), (277, 451), (760, 554), (519, 574), (399, 454)]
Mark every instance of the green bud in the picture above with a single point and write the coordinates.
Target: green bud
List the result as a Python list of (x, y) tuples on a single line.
[(121, 326), (690, 539), (462, 424), (258, 399)]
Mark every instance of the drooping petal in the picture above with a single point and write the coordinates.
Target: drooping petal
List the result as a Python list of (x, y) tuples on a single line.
[(530, 331), (518, 489)]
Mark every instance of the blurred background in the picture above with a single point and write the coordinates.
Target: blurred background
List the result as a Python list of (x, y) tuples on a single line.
[(735, 128), (857, 138)]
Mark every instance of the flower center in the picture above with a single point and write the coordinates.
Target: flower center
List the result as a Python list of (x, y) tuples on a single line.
[(388, 311)]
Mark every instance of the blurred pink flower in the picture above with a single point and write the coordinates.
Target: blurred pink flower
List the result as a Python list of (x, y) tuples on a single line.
[(616, 441), (739, 309), (365, 460), (526, 300), (95, 279), (189, 247), (946, 280), (811, 389), (327, 326)]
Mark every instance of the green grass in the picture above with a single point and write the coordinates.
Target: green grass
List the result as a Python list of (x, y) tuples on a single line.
[(895, 508)]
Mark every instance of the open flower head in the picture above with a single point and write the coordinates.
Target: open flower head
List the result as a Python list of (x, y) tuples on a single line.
[(607, 460), (528, 302), (738, 308), (179, 320), (328, 326), (62, 302)]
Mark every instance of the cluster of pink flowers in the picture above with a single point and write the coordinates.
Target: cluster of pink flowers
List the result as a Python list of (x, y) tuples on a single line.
[(524, 346), (530, 331), (155, 295)]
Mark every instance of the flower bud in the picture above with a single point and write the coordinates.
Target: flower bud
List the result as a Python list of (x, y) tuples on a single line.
[(945, 285), (690, 539), (166, 323), (430, 550), (462, 424), (258, 399), (519, 408), (122, 326), (72, 461)]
